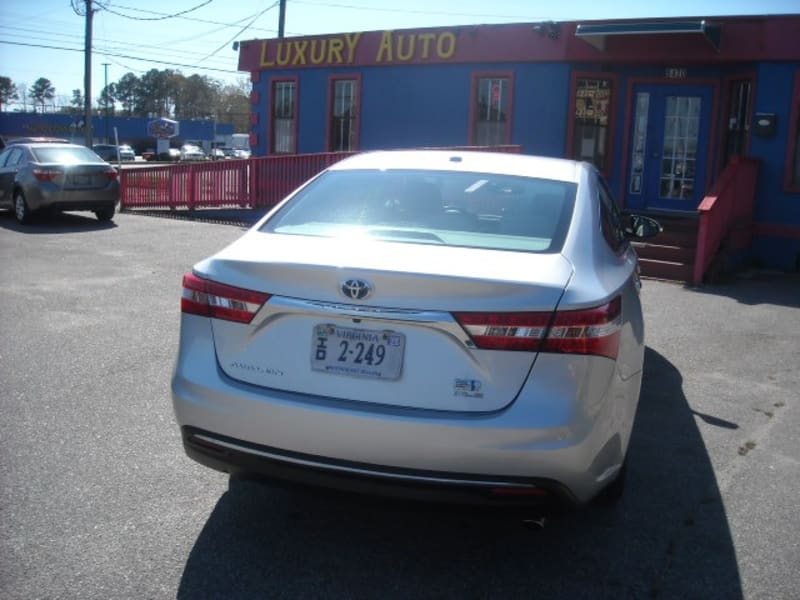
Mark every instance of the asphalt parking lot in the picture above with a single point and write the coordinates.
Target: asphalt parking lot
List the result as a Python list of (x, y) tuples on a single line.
[(97, 499)]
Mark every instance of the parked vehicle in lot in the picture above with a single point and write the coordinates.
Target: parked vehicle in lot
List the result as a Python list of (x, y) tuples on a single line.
[(456, 325), (56, 176), (114, 153), (172, 155), (190, 152), (241, 152)]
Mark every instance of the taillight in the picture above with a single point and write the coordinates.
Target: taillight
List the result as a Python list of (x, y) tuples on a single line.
[(587, 331), (506, 331), (46, 174), (219, 301), (112, 174)]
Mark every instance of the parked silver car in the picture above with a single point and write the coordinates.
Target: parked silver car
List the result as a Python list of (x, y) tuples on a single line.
[(460, 325), (190, 152), (56, 176)]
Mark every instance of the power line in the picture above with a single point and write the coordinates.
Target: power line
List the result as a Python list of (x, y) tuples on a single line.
[(240, 32), (128, 56), (105, 7), (109, 45), (197, 20)]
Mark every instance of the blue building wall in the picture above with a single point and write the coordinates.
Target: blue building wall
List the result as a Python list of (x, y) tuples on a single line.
[(429, 105), (775, 205)]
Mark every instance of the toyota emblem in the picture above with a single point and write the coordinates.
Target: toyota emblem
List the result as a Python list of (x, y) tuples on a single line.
[(356, 289)]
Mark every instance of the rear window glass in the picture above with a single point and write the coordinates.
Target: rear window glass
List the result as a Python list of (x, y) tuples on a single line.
[(476, 210), (64, 154)]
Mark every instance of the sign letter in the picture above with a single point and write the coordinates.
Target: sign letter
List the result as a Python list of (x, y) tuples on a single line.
[(385, 47)]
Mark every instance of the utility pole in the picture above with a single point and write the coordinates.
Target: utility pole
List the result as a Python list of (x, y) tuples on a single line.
[(105, 98), (281, 17), (87, 76)]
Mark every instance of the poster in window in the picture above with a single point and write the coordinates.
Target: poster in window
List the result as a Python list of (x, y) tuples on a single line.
[(592, 100)]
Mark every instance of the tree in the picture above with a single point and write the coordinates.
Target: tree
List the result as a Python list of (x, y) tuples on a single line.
[(159, 89), (233, 105), (8, 91), (107, 99), (197, 98), (76, 104), (42, 91), (129, 90)]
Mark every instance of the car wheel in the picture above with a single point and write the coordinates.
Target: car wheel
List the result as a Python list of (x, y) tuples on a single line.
[(614, 491), (105, 214), (21, 210)]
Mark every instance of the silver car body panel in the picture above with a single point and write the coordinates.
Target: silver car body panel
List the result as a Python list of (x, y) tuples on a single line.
[(563, 417)]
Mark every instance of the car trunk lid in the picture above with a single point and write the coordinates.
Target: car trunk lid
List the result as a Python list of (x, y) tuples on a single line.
[(400, 344)]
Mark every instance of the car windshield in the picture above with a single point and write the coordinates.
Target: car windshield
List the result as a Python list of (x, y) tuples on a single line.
[(477, 210), (64, 154)]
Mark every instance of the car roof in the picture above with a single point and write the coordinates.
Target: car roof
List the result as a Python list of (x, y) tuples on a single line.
[(37, 140), (499, 163), (51, 145)]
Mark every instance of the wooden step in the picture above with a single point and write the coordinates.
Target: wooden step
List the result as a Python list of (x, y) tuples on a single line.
[(667, 270), (667, 252)]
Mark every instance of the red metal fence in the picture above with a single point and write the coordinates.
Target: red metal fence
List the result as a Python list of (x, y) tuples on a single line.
[(254, 183), (726, 213)]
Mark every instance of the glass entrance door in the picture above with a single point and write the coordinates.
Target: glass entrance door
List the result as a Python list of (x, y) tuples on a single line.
[(669, 147)]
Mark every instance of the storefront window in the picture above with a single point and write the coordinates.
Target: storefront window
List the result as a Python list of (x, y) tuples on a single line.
[(736, 136), (640, 120), (591, 128), (284, 117), (343, 115), (492, 108)]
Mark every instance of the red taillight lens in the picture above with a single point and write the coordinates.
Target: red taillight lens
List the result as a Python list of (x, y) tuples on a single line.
[(46, 174), (506, 331), (589, 331), (218, 301), (112, 174)]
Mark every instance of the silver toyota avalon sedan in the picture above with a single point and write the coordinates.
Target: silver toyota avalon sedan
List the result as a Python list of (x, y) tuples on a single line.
[(431, 324)]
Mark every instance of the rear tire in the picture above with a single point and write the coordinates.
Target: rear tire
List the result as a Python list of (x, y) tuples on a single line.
[(105, 214), (21, 210)]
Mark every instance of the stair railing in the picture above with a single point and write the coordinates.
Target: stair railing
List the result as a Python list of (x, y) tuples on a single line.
[(726, 213)]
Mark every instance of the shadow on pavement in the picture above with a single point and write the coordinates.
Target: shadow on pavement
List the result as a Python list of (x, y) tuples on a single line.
[(763, 287), (668, 538), (233, 216), (55, 223)]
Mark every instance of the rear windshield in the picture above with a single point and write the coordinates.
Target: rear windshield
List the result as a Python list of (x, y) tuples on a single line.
[(65, 154), (476, 210)]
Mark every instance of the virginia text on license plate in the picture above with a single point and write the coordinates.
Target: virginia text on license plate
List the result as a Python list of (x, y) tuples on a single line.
[(373, 353)]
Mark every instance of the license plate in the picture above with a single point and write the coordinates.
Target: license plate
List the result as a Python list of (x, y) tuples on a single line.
[(81, 179), (371, 353)]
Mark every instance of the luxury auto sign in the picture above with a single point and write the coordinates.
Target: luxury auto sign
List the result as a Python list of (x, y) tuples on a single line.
[(377, 47)]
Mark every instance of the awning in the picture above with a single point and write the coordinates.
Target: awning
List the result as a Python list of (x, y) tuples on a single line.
[(596, 34)]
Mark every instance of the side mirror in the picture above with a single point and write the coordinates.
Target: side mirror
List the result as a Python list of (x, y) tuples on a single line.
[(640, 226)]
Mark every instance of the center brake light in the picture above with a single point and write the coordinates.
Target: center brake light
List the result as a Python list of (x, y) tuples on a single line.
[(219, 301), (588, 331)]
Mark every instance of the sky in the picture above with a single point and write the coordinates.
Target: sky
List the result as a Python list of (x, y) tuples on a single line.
[(45, 38)]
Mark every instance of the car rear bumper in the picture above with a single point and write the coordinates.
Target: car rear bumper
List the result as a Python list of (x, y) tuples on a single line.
[(73, 199), (240, 458), (566, 436)]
